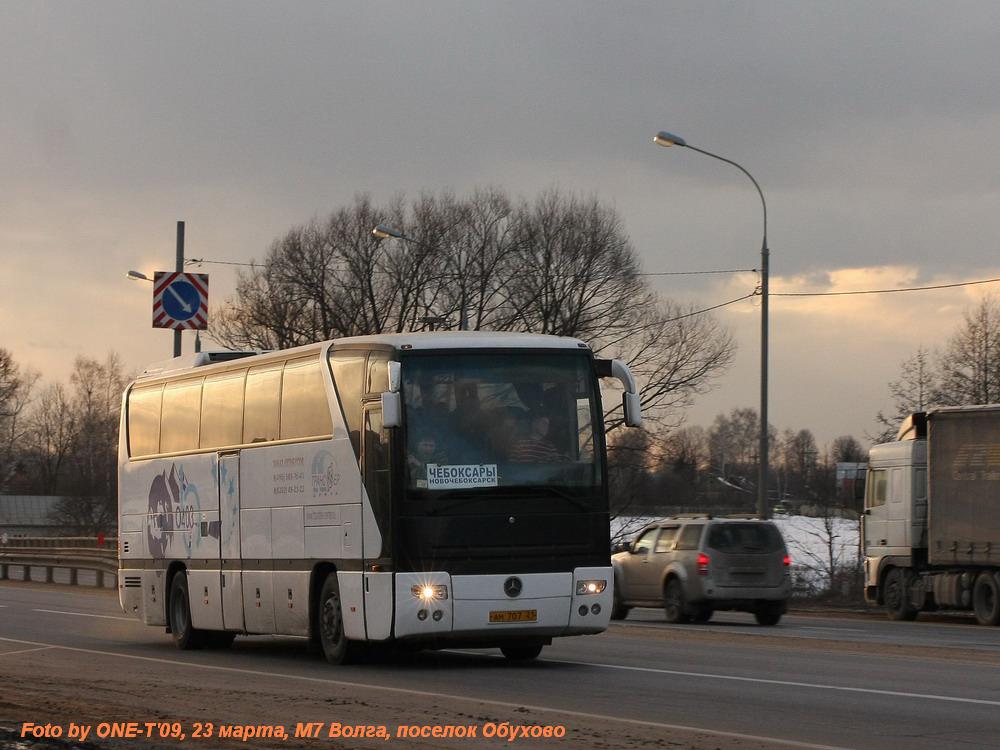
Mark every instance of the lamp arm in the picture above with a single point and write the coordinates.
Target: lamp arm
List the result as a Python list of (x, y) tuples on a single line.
[(760, 192)]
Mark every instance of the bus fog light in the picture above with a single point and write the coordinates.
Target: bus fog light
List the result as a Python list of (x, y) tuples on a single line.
[(438, 614), (590, 587), (583, 610), (596, 609), (422, 615)]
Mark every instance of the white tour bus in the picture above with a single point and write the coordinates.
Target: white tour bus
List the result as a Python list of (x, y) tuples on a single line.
[(433, 489)]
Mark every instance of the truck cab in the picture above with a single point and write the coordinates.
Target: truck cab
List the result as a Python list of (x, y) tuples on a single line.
[(894, 525)]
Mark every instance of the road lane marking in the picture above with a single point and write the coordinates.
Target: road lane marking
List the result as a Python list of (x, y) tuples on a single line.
[(85, 614), (832, 630), (783, 683), (440, 696), (24, 651)]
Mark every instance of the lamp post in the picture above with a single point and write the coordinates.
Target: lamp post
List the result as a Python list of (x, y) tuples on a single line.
[(663, 138), (384, 231)]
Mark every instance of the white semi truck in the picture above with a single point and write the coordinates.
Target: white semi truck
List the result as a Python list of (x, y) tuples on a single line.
[(931, 526)]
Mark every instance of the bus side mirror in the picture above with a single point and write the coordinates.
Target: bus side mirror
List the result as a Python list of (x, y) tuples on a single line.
[(631, 399), (633, 409), (392, 409), (395, 376), (392, 404)]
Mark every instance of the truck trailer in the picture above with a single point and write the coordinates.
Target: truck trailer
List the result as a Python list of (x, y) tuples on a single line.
[(931, 525)]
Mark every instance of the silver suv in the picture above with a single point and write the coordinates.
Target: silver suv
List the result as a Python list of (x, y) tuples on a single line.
[(695, 565)]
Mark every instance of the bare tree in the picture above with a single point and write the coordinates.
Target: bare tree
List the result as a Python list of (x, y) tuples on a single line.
[(969, 367), (51, 438), (826, 552), (559, 264), (629, 481), (847, 449), (90, 499), (15, 393), (683, 468), (911, 392)]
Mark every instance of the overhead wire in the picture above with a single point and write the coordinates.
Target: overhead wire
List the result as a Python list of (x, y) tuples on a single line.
[(884, 291), (697, 273), (756, 292)]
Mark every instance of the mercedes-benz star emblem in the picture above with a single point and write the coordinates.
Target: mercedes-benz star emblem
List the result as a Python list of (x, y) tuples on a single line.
[(512, 586)]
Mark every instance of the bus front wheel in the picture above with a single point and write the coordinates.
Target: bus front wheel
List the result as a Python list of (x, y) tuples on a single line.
[(522, 653), (184, 634), (332, 636)]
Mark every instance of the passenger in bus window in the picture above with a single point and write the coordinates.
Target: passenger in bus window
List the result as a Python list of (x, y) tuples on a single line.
[(533, 444), (503, 432), (425, 452)]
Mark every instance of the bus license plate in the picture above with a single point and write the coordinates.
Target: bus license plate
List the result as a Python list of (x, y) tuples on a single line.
[(514, 615)]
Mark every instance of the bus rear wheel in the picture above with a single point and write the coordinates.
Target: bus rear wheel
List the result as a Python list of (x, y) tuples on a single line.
[(521, 653), (184, 633), (219, 639), (333, 640)]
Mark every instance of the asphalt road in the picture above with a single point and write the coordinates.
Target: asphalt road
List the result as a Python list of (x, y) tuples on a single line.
[(811, 681)]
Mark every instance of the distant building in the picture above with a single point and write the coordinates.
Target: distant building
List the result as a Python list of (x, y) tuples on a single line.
[(30, 515)]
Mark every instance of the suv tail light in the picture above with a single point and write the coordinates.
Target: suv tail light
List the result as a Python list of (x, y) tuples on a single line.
[(787, 561), (703, 561)]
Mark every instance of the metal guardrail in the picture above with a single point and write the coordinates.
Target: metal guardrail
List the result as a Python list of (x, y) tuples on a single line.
[(101, 560), (75, 542)]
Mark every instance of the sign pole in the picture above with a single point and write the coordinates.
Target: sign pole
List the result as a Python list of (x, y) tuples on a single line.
[(179, 269)]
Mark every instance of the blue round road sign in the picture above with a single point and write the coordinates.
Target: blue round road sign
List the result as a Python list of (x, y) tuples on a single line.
[(181, 300)]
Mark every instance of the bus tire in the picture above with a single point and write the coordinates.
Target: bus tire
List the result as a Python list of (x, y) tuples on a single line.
[(183, 632), (219, 639), (986, 599), (333, 640), (897, 595), (521, 653)]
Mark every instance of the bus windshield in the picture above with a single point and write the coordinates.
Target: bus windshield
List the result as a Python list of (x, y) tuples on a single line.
[(500, 420)]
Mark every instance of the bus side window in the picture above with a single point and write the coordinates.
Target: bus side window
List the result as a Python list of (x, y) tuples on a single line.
[(304, 410), (144, 420), (181, 416), (377, 471), (348, 369), (263, 395), (222, 410), (378, 373)]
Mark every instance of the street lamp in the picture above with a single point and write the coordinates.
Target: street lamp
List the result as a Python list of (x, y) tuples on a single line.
[(663, 138), (384, 232), (137, 276)]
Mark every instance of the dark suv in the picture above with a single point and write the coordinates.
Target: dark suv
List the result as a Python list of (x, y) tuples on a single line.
[(693, 566)]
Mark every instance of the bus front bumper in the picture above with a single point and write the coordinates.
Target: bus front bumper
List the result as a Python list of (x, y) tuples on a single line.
[(501, 607)]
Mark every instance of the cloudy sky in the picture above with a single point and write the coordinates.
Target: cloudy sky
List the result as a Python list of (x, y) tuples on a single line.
[(870, 126)]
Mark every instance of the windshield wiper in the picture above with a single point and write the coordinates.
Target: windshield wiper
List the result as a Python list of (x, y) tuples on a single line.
[(556, 492), (463, 497)]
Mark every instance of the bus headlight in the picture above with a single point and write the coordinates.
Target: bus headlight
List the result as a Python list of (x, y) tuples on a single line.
[(427, 592), (590, 587)]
